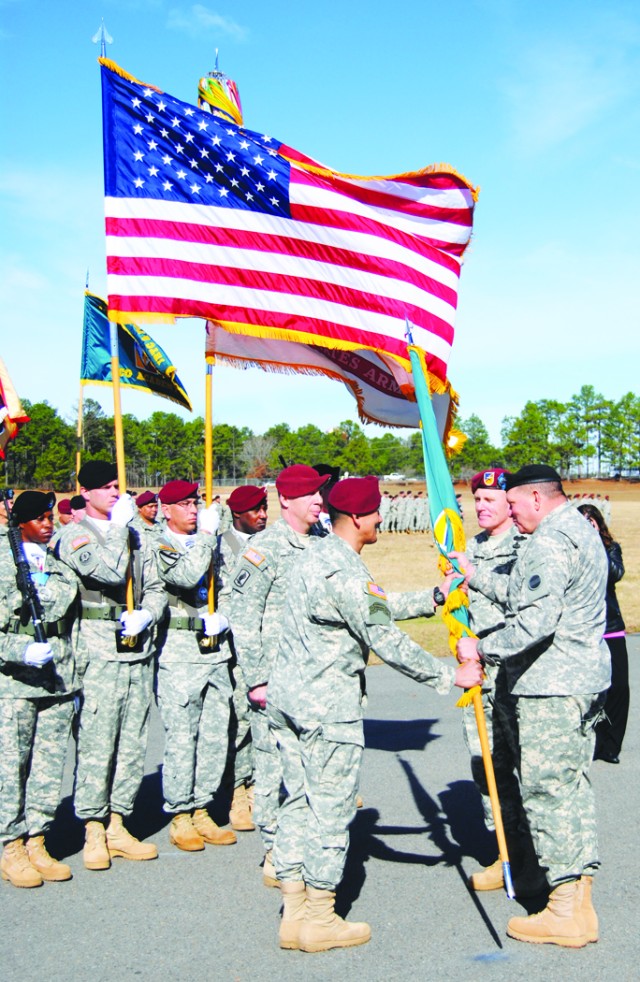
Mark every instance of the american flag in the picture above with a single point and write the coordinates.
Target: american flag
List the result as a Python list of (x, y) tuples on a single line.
[(208, 219)]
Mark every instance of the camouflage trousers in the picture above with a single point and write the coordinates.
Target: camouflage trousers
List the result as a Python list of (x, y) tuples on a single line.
[(112, 737), (34, 734), (267, 775), (240, 744), (320, 769), (194, 701), (557, 738), (502, 730)]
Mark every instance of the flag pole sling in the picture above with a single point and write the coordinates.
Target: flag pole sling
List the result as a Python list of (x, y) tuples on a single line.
[(447, 503), (120, 462)]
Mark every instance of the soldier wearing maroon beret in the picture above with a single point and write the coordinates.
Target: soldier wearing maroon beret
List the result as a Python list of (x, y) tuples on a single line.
[(248, 506), (334, 614), (146, 519), (257, 598)]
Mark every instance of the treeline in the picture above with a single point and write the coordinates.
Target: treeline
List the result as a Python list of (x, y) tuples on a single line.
[(587, 436)]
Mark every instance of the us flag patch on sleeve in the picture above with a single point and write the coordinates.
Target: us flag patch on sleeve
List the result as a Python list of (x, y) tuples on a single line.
[(254, 557), (82, 540), (377, 591)]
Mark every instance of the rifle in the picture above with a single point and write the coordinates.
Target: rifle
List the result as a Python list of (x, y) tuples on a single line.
[(30, 599)]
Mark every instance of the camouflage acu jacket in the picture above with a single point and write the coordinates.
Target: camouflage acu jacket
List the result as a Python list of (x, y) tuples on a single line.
[(552, 642), (334, 614)]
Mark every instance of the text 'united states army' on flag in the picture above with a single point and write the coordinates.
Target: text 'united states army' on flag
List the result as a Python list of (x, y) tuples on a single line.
[(208, 219)]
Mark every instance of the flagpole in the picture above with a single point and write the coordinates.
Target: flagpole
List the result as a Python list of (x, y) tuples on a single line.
[(79, 437), (120, 460), (440, 490), (209, 642)]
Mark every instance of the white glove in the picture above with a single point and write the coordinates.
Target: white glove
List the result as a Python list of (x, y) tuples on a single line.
[(37, 654), (209, 520), (134, 622), (123, 510), (215, 624)]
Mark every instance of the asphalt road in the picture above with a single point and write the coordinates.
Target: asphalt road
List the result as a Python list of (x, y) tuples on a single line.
[(207, 916)]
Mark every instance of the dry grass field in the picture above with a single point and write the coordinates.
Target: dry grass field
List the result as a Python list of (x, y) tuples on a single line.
[(409, 561)]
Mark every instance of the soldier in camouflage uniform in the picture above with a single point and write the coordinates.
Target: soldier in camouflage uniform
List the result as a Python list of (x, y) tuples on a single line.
[(37, 686), (115, 664), (557, 667), (248, 506), (334, 614), (146, 520), (493, 551), (194, 685), (257, 599)]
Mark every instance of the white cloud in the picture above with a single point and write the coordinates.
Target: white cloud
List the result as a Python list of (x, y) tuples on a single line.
[(199, 20), (569, 79)]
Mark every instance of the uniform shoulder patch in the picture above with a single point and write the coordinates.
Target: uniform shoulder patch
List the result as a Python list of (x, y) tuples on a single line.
[(242, 577), (254, 557), (377, 591), (534, 582), (81, 540)]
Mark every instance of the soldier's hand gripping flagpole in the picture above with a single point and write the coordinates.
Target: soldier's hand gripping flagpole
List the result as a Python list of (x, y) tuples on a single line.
[(448, 533)]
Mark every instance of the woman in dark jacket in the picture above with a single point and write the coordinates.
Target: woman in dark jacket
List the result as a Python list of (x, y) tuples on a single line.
[(610, 730)]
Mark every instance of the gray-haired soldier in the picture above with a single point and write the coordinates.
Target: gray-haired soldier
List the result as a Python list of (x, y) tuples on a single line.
[(557, 666)]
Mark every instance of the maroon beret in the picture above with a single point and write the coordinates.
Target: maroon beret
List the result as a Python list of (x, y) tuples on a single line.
[(356, 495), (146, 498), (174, 491), (64, 507), (300, 479), (492, 480), (245, 498)]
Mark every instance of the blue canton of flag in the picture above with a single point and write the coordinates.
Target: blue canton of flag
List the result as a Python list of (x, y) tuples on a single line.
[(168, 149)]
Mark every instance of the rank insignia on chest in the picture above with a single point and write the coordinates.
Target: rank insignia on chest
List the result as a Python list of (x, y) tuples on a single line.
[(253, 556), (82, 540), (376, 591)]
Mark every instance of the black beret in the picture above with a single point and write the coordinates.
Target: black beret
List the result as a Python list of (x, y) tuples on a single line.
[(97, 474), (533, 474), (32, 504), (78, 502)]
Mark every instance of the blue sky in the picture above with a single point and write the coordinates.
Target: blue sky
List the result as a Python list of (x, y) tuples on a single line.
[(537, 103)]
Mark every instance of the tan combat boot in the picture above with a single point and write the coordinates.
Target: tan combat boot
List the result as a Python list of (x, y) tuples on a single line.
[(183, 835), (240, 811), (561, 922), (48, 867), (210, 832), (268, 871), (323, 929), (490, 878), (122, 843), (589, 915), (294, 899), (16, 867), (95, 853)]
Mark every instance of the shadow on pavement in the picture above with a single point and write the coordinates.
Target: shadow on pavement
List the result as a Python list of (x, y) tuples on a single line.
[(398, 735)]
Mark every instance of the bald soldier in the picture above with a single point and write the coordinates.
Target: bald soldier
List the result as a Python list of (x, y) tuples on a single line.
[(114, 662), (248, 506), (37, 685), (259, 589), (557, 668), (333, 615)]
